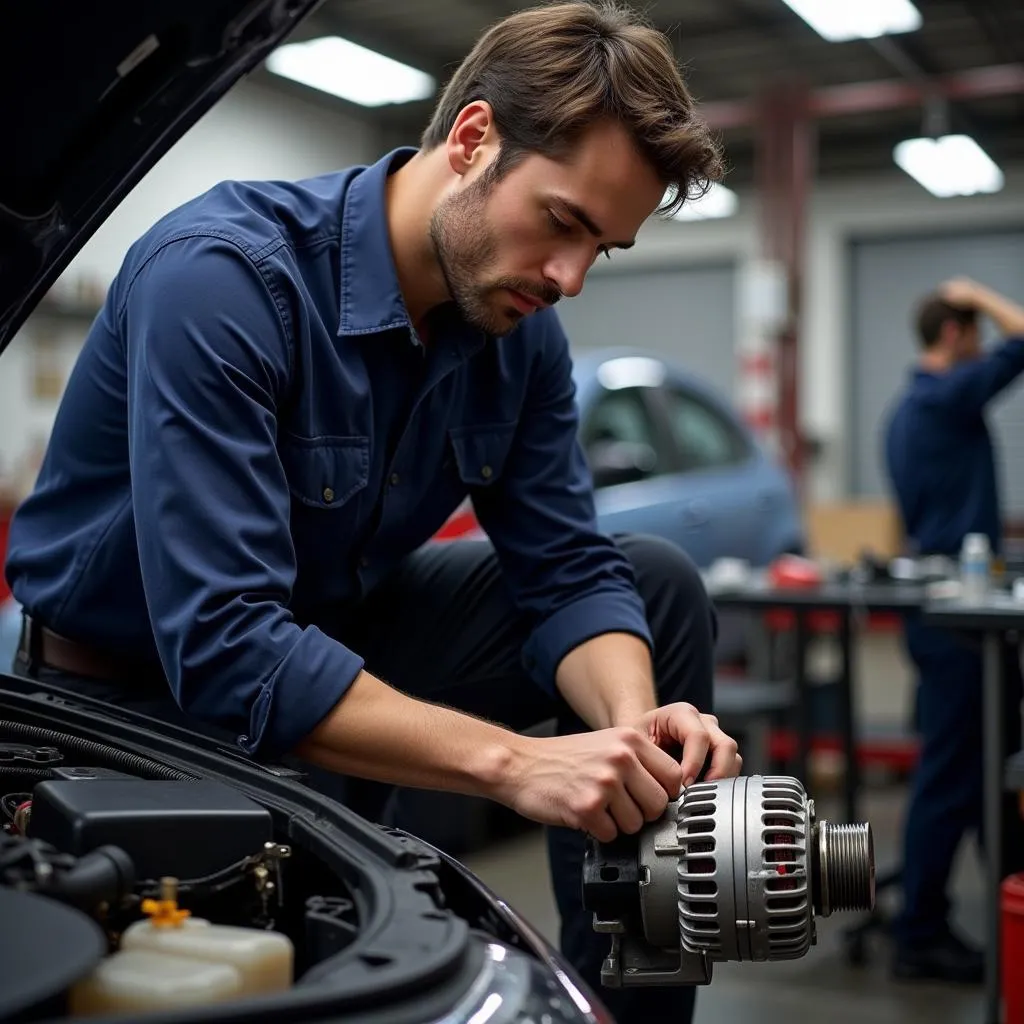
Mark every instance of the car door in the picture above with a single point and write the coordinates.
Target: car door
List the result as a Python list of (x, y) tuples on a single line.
[(716, 481), (634, 464)]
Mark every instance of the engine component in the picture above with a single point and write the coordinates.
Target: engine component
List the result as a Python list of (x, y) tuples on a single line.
[(102, 878), (186, 829), (84, 773), (138, 981), (259, 875), (735, 870), (137, 765), (44, 948), (263, 959), (15, 810), (15, 755), (331, 924)]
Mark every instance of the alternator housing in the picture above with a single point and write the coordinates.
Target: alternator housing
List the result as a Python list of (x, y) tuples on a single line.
[(735, 870), (744, 889)]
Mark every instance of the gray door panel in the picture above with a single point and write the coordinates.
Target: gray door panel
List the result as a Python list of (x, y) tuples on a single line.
[(888, 277)]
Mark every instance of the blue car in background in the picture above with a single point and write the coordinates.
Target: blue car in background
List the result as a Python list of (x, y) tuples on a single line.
[(670, 457)]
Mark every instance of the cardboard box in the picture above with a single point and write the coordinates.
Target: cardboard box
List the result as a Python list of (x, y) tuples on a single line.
[(842, 531)]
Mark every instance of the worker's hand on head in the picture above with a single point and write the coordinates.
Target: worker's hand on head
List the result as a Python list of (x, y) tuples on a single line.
[(676, 726), (961, 292), (603, 782)]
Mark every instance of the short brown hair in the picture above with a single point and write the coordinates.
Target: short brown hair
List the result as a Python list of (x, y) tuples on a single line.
[(550, 72), (932, 312)]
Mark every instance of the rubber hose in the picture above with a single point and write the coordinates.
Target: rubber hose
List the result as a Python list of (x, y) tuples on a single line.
[(133, 764), (13, 772)]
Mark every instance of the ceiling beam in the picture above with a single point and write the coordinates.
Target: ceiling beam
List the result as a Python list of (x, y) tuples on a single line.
[(998, 33), (888, 94)]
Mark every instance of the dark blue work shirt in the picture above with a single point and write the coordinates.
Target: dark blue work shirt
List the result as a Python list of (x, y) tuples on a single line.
[(253, 435), (939, 454)]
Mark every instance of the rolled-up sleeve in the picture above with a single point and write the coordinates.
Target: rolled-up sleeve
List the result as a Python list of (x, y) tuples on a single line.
[(572, 582), (969, 386), (208, 360)]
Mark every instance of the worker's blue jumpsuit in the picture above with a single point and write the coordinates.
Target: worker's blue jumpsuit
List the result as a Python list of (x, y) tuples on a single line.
[(940, 460)]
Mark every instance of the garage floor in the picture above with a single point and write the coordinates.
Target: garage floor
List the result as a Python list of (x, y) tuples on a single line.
[(820, 986)]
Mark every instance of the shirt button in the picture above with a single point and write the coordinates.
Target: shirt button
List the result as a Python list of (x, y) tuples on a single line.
[(328, 494), (394, 479), (487, 472)]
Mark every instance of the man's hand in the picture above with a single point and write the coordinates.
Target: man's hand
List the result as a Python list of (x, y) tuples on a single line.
[(603, 782), (682, 725), (615, 780), (962, 292)]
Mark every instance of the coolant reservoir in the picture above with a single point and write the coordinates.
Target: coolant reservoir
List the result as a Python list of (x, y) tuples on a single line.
[(263, 959), (138, 981)]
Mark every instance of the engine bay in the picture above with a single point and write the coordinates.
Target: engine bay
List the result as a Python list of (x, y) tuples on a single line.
[(129, 888), (145, 872)]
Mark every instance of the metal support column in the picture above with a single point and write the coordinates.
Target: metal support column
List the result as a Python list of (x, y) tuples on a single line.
[(785, 167)]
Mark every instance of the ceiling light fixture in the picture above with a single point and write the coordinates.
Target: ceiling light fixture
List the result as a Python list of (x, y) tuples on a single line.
[(351, 72), (951, 165), (717, 202), (841, 20)]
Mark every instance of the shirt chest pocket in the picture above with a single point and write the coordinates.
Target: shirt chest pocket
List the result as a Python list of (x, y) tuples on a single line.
[(326, 472), (481, 451)]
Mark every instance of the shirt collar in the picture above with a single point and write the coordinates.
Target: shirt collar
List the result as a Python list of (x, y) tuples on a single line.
[(371, 300)]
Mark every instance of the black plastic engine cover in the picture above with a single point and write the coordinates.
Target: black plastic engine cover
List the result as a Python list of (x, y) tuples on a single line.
[(185, 829)]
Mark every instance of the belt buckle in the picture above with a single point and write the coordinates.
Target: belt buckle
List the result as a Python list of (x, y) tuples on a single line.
[(31, 644)]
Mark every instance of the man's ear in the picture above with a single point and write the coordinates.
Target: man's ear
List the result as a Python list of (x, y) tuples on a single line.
[(949, 336), (473, 140)]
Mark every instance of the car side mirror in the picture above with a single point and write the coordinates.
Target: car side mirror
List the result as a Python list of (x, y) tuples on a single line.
[(620, 462)]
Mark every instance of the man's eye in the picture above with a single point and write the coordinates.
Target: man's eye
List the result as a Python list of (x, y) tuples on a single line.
[(559, 225), (607, 253)]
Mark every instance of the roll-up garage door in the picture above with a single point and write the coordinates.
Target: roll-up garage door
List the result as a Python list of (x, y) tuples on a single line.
[(686, 315), (888, 278)]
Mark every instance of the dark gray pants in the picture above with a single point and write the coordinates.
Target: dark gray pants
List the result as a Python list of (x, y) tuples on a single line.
[(442, 628)]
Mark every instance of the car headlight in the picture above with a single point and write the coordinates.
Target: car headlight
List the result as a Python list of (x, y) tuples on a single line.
[(514, 988)]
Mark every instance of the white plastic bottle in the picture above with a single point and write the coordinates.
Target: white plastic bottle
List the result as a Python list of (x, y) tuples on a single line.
[(975, 568), (172, 959), (138, 981), (264, 959)]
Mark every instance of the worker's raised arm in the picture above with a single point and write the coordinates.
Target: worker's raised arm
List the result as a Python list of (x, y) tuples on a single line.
[(970, 385)]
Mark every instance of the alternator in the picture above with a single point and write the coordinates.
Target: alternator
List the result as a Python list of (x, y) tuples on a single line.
[(734, 870)]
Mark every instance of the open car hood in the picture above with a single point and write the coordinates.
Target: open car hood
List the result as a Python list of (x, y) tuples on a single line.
[(92, 98)]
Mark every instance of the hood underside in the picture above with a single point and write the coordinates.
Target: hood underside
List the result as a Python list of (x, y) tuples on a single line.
[(94, 96)]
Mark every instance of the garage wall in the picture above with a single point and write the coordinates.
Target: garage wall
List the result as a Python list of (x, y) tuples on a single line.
[(686, 314), (883, 205), (253, 132), (887, 277)]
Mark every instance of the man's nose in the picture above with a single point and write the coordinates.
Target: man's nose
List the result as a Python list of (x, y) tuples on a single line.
[(568, 273)]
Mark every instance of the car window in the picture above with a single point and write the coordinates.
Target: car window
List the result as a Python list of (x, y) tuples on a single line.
[(705, 438), (622, 417), (619, 416)]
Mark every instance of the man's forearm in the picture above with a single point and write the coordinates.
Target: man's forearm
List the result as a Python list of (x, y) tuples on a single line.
[(377, 732), (608, 680), (1008, 316)]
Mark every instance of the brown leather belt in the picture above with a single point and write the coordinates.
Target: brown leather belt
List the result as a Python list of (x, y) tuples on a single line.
[(40, 646)]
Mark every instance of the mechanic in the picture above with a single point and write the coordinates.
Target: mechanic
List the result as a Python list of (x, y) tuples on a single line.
[(289, 389), (939, 456)]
